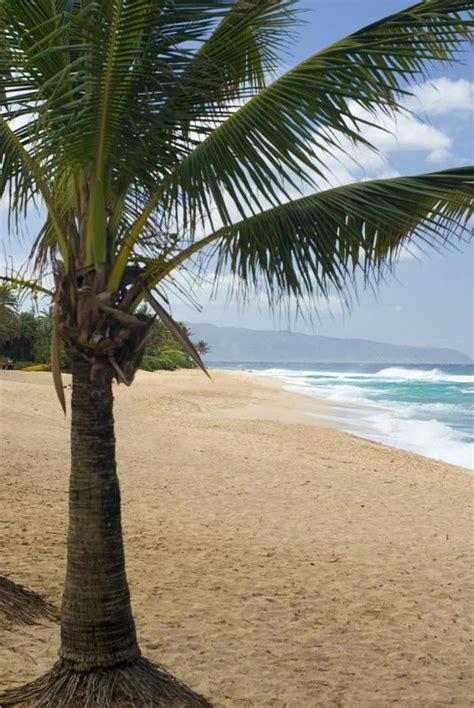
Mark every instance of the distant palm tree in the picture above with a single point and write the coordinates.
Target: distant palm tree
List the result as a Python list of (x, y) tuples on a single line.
[(25, 334), (202, 347), (152, 132), (8, 314)]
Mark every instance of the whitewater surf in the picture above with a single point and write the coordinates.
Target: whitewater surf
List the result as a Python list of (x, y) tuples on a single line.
[(425, 409)]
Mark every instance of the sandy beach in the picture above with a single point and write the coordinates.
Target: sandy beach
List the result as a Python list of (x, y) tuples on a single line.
[(273, 560)]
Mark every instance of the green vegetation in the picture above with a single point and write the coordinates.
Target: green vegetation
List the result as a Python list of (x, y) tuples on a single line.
[(7, 314), (156, 138), (29, 338), (25, 337), (162, 351)]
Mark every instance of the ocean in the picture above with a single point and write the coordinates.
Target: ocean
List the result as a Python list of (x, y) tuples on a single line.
[(424, 409)]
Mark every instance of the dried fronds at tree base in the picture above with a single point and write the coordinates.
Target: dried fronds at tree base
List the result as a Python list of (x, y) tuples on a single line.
[(139, 683), (23, 606)]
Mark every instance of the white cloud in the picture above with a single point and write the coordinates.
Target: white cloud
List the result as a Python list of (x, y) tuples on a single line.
[(438, 155), (406, 133), (403, 133), (388, 174), (443, 96)]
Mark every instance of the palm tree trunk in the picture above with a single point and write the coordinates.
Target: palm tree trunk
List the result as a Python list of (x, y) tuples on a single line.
[(97, 627)]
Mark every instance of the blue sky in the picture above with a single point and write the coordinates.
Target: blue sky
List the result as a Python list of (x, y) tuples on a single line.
[(430, 299)]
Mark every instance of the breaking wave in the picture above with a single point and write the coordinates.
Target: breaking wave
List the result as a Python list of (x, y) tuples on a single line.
[(413, 408)]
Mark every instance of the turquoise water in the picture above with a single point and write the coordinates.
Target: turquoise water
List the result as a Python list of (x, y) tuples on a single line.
[(425, 409)]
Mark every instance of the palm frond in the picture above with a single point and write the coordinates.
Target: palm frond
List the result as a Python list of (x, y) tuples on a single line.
[(280, 138), (318, 243), (21, 169), (233, 63), (55, 363), (43, 77), (22, 284), (175, 329)]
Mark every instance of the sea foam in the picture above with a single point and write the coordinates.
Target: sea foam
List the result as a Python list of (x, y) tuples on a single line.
[(421, 375), (406, 407)]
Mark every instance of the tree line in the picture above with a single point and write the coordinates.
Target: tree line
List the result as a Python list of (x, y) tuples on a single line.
[(25, 337)]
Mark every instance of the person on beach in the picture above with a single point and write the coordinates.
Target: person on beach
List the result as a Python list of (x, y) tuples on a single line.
[(8, 365)]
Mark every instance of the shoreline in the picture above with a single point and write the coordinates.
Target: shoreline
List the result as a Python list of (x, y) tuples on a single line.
[(273, 560), (363, 420)]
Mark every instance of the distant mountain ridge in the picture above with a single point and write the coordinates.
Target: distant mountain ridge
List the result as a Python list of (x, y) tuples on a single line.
[(234, 344)]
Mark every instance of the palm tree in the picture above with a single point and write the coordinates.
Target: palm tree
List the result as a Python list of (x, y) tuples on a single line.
[(26, 331), (202, 347), (153, 134), (8, 314)]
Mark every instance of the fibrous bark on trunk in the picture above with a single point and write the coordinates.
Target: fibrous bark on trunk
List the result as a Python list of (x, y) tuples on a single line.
[(97, 627)]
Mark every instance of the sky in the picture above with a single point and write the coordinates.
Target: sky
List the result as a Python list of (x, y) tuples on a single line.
[(430, 300)]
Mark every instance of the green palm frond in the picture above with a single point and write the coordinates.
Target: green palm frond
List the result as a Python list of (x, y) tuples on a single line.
[(91, 75), (233, 63), (42, 71), (282, 135), (318, 243), (24, 175), (177, 331), (13, 283)]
